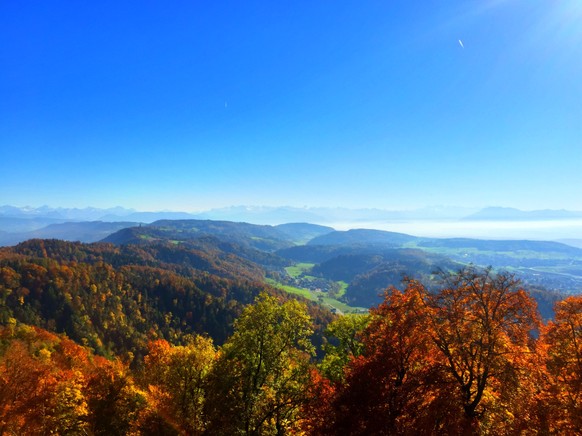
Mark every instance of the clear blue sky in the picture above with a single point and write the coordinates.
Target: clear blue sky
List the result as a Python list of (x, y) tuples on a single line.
[(189, 105)]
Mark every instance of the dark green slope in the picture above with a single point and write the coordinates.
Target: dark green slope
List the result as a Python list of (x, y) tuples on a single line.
[(368, 274), (367, 286), (265, 238), (347, 266)]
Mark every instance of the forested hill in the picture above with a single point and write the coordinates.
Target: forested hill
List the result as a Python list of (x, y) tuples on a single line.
[(196, 275), (362, 261), (260, 237), (115, 298), (364, 237), (367, 237), (541, 264)]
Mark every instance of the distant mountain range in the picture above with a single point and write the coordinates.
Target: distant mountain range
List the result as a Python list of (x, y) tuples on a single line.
[(252, 214), (278, 215), (92, 224), (84, 231)]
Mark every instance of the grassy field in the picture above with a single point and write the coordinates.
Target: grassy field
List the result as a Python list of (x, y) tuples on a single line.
[(343, 307), (343, 289), (298, 269), (292, 289), (331, 303)]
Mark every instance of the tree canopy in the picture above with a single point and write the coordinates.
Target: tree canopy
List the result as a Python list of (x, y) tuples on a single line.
[(470, 356)]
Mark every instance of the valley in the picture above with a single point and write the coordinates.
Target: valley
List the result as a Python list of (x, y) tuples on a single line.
[(345, 271), (298, 280)]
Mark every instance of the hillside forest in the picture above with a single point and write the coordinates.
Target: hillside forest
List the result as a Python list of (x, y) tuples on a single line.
[(168, 336)]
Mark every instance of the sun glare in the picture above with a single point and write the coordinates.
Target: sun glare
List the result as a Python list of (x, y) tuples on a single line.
[(565, 22)]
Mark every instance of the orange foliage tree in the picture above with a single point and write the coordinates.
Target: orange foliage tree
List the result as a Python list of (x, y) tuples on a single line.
[(562, 338), (482, 325), (457, 360), (50, 385)]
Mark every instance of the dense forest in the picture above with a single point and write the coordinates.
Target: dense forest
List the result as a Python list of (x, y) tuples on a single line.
[(114, 299), (164, 338)]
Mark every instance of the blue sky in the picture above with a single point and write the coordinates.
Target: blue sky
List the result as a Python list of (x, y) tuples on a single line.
[(189, 105)]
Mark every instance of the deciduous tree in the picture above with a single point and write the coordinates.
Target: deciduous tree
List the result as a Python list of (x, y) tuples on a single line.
[(563, 340), (482, 325), (344, 343), (461, 359), (260, 379), (177, 380)]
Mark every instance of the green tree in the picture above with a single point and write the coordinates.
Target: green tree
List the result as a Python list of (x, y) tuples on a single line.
[(345, 343), (260, 379)]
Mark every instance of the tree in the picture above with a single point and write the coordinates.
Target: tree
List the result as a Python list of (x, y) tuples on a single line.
[(114, 401), (461, 359), (344, 334), (42, 384), (260, 379), (177, 378), (563, 340), (482, 325), (382, 392)]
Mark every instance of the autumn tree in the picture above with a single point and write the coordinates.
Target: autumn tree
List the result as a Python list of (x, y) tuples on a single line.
[(177, 377), (260, 379), (482, 325), (114, 400), (50, 385), (382, 391), (563, 340), (460, 359), (41, 383)]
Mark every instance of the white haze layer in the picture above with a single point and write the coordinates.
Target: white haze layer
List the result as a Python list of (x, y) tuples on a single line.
[(535, 230)]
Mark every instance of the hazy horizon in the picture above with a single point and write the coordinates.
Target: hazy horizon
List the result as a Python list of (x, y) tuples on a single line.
[(437, 221)]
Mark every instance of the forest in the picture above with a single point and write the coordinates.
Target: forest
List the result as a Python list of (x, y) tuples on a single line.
[(173, 340)]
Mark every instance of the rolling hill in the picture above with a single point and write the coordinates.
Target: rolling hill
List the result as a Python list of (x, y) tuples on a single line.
[(266, 238), (360, 262)]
